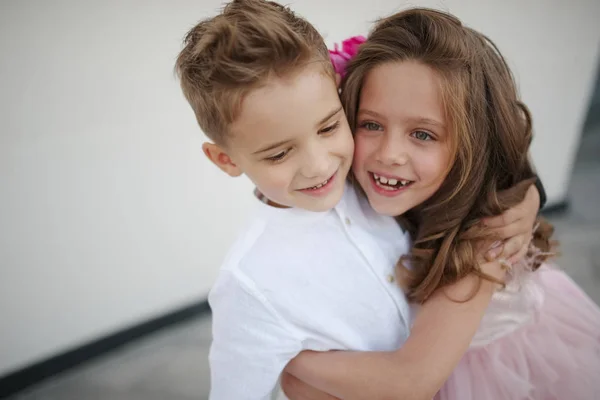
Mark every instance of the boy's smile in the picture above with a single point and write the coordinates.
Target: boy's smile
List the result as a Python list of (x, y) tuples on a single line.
[(293, 141)]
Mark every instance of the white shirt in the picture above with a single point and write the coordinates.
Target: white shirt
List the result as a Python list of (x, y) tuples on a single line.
[(298, 280)]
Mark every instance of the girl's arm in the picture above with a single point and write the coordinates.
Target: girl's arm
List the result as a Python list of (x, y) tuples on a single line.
[(515, 224), (439, 337)]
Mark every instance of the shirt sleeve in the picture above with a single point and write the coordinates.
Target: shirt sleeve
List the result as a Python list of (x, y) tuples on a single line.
[(251, 343)]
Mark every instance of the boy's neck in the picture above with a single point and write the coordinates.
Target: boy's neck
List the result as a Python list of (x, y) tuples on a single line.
[(265, 200)]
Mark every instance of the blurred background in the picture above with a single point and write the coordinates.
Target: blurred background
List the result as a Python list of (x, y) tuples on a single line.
[(112, 223)]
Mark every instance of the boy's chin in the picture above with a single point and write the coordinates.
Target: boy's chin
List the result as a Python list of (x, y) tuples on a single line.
[(323, 204)]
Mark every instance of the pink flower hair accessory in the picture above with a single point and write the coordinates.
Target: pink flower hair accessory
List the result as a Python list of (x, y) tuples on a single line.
[(340, 56)]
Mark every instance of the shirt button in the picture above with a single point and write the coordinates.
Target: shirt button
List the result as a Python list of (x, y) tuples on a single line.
[(348, 222), (390, 278)]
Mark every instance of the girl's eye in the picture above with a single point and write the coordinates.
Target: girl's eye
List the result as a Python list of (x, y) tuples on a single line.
[(278, 157), (422, 135), (330, 128), (371, 126)]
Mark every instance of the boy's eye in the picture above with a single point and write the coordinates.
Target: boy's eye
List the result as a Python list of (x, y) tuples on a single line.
[(330, 128), (422, 135), (371, 126), (278, 157)]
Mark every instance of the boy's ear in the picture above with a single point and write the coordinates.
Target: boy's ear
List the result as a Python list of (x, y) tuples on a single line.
[(221, 159)]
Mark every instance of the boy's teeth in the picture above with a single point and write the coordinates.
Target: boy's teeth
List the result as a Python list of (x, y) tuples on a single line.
[(320, 185)]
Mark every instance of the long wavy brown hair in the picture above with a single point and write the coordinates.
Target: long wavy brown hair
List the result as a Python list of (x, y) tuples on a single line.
[(491, 132)]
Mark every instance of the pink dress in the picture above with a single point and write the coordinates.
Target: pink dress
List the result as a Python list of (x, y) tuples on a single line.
[(539, 339)]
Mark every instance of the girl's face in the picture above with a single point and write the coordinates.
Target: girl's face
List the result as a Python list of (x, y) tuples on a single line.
[(402, 140)]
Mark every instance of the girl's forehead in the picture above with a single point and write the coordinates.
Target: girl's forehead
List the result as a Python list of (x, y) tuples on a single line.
[(405, 90)]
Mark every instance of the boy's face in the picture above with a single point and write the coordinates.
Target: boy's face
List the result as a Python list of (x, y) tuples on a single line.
[(293, 141)]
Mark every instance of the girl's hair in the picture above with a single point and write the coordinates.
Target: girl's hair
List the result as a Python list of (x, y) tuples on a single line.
[(490, 137)]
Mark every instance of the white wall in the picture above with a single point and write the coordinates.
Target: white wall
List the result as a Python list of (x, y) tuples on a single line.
[(110, 215)]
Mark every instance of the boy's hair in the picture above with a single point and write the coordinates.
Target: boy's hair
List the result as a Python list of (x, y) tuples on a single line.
[(227, 56), (490, 131)]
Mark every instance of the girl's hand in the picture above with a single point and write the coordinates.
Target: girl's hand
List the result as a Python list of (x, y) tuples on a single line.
[(515, 228)]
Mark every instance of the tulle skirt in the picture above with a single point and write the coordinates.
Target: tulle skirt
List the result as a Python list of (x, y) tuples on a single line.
[(556, 356)]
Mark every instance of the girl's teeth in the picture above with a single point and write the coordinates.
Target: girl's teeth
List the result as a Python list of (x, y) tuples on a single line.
[(386, 187), (389, 182)]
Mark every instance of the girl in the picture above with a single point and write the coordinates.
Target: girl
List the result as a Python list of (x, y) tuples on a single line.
[(260, 82), (432, 100)]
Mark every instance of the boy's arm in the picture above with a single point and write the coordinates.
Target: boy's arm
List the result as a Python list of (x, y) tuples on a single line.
[(441, 334), (251, 344)]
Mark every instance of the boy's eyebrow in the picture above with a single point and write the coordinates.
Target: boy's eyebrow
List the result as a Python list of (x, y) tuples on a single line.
[(331, 114), (272, 146), (281, 143)]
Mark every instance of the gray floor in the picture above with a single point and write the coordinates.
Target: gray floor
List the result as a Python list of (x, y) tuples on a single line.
[(173, 364)]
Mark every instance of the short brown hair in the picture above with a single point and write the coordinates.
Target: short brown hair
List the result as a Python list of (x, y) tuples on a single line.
[(490, 130), (227, 56)]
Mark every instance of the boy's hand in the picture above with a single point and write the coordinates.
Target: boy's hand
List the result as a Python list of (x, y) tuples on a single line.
[(295, 389), (515, 228)]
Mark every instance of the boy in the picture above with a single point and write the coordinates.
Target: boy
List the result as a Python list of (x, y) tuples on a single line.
[(314, 269), (307, 273)]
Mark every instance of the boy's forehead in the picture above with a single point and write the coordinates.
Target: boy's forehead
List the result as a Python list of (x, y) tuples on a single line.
[(286, 107)]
